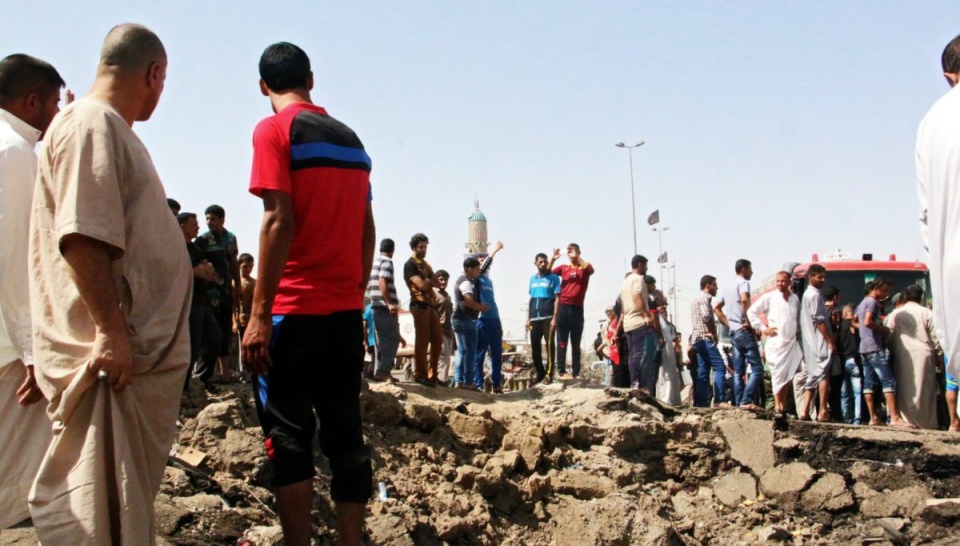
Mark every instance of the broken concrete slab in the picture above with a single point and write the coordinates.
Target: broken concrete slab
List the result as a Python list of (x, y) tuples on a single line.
[(751, 443), (828, 493), (908, 502), (786, 482)]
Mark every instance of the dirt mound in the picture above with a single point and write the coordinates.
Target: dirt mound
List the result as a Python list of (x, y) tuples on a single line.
[(575, 464)]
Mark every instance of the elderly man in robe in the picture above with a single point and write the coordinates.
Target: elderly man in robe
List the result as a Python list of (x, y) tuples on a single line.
[(916, 351), (775, 315), (110, 292)]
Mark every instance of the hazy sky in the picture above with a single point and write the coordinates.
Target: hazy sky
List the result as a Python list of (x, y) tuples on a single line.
[(773, 129)]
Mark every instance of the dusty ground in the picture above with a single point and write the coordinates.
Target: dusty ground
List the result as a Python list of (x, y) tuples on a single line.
[(575, 464)]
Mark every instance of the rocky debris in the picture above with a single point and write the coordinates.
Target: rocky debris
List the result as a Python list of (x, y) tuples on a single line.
[(574, 464), (773, 533)]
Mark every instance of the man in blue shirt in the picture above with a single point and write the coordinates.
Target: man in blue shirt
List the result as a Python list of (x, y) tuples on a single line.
[(542, 313), (489, 328)]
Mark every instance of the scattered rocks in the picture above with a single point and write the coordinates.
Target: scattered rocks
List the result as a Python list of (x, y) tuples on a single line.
[(773, 533)]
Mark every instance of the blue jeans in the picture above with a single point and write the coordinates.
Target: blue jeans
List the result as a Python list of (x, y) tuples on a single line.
[(708, 358), (490, 337), (876, 369), (851, 392), (466, 332), (746, 351), (642, 360)]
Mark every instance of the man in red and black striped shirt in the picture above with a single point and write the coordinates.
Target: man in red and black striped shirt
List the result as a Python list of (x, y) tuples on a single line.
[(304, 341)]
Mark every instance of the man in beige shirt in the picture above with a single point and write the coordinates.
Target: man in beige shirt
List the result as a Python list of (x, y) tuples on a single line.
[(110, 288)]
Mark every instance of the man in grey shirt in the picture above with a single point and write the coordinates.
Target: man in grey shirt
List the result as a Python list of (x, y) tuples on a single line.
[(817, 343), (734, 305), (876, 362)]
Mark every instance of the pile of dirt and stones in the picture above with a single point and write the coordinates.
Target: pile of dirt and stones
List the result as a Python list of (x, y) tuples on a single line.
[(574, 464)]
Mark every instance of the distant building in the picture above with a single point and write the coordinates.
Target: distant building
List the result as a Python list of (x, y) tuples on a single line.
[(477, 232)]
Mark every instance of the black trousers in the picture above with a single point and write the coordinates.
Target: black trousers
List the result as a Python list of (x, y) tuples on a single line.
[(569, 331), (540, 330), (205, 342), (317, 360)]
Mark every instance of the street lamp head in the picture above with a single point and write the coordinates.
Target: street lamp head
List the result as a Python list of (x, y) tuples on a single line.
[(620, 145)]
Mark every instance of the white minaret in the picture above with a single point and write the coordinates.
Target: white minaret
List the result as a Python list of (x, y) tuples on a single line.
[(477, 231)]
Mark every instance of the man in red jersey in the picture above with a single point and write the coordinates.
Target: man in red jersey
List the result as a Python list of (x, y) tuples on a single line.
[(304, 341), (574, 279)]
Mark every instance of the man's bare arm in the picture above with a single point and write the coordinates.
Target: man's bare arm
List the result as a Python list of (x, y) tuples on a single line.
[(276, 235), (90, 265), (718, 310), (369, 246)]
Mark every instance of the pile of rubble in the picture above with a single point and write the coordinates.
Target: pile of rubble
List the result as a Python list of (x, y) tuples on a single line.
[(577, 464)]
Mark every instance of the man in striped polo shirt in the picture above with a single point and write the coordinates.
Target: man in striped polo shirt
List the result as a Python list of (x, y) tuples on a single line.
[(383, 301)]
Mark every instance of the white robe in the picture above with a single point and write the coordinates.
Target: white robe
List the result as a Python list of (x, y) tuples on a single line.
[(783, 350), (24, 431), (668, 383), (938, 187)]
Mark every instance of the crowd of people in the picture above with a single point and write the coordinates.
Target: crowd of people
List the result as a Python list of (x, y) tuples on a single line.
[(468, 321), (821, 361), (105, 314)]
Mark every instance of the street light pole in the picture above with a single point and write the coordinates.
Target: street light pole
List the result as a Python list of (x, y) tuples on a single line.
[(633, 200), (660, 231), (672, 273)]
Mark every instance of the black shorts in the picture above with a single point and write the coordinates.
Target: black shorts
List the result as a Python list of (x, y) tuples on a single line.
[(317, 362)]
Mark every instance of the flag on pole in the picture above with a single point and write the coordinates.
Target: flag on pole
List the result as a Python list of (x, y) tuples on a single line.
[(654, 217), (663, 258)]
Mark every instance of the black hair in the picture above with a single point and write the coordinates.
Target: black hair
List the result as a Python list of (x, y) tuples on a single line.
[(21, 75), (741, 265), (707, 280), (284, 66), (881, 282), (442, 274), (417, 239), (913, 293), (575, 246), (387, 245), (868, 287), (470, 263), (950, 60), (816, 269), (649, 279), (173, 204), (541, 255), (216, 210), (185, 217), (830, 293), (244, 258), (637, 260)]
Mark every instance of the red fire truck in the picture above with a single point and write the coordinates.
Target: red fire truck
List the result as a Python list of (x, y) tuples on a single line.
[(849, 275)]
